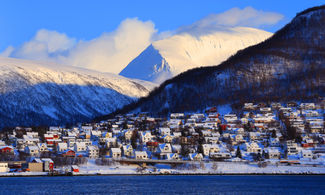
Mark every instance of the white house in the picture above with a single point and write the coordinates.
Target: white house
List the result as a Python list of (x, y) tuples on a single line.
[(292, 148), (141, 155), (128, 150), (195, 156), (80, 146), (172, 156), (206, 149), (116, 152), (32, 150), (42, 147), (164, 149), (210, 148), (306, 154), (252, 147), (110, 142), (273, 153), (145, 136), (164, 131), (92, 151), (62, 147)]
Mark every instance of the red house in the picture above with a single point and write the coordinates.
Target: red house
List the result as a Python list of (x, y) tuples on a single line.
[(6, 149), (69, 153), (307, 145), (223, 127), (49, 142), (155, 144), (55, 136)]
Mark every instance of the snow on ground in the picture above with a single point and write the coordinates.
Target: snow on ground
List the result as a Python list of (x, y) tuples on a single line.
[(24, 174), (92, 168), (201, 168), (222, 168)]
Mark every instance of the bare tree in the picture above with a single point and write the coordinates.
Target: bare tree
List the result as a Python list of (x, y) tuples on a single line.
[(214, 166)]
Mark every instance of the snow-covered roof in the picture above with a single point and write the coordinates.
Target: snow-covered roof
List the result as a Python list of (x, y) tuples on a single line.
[(47, 159), (116, 150), (140, 153), (32, 147), (92, 147)]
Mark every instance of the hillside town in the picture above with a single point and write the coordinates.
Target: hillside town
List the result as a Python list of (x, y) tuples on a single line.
[(277, 134)]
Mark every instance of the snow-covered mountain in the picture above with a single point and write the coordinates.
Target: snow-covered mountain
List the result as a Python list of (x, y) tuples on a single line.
[(288, 66), (166, 58), (36, 93)]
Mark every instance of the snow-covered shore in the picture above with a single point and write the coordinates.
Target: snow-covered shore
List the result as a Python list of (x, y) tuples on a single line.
[(219, 168)]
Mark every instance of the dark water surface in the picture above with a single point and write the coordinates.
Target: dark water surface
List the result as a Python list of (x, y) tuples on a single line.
[(164, 185)]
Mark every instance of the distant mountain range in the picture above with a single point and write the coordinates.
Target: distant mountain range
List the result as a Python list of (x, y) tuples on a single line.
[(288, 66), (171, 56), (36, 93)]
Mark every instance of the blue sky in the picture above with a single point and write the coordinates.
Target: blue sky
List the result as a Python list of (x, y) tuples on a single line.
[(86, 20), (19, 20)]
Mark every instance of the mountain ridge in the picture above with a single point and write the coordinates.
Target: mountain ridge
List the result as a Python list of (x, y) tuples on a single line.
[(39, 93), (287, 66)]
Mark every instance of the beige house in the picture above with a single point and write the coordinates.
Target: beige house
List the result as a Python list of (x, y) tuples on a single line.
[(141, 155), (62, 147), (210, 148), (116, 152), (128, 134), (4, 167), (80, 146), (168, 138), (128, 150)]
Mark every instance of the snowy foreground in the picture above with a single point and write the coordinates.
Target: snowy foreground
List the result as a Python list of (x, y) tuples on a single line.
[(222, 168), (202, 168)]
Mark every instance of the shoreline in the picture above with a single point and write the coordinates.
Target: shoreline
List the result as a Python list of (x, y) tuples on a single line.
[(173, 174)]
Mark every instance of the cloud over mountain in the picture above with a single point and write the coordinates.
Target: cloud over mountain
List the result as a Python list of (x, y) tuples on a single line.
[(248, 17), (109, 52), (112, 51)]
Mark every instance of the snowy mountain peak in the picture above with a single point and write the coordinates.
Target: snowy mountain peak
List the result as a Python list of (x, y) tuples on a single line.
[(289, 66), (176, 54)]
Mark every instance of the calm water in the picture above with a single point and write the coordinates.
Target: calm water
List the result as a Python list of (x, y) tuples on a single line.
[(164, 185)]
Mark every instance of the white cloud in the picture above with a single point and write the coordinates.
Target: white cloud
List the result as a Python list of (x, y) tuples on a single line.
[(112, 51), (45, 45), (7, 52), (248, 17)]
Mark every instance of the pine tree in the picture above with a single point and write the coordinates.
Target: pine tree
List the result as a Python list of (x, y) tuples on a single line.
[(274, 134), (238, 152)]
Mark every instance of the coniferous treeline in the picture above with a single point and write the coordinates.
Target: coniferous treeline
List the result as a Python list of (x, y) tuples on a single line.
[(288, 66)]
